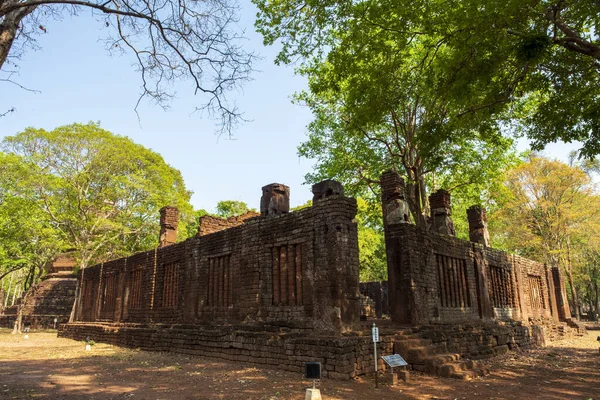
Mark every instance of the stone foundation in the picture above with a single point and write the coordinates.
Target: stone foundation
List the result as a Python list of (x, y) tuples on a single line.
[(340, 357)]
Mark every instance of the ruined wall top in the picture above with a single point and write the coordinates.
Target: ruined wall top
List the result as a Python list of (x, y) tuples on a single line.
[(478, 231), (392, 186), (169, 221), (275, 200), (325, 189), (208, 224), (440, 199)]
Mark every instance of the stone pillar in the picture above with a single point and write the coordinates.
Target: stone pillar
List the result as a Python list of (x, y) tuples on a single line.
[(169, 220), (275, 200), (395, 216), (478, 231), (560, 289), (393, 204), (486, 308), (325, 189), (552, 300), (439, 202)]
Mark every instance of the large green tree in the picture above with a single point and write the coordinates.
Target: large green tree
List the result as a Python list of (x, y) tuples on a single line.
[(100, 191), (377, 107), (535, 64), (28, 239), (549, 211)]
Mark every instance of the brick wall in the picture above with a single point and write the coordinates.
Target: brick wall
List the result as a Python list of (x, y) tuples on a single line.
[(210, 224), (297, 270)]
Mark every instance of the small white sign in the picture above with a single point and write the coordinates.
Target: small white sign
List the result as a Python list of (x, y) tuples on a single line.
[(375, 334)]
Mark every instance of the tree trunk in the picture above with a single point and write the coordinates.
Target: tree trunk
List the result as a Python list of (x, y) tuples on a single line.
[(573, 292), (9, 29), (597, 300), (8, 291), (569, 269), (78, 288), (19, 321)]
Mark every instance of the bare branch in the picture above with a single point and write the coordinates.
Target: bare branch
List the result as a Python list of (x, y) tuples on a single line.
[(172, 40)]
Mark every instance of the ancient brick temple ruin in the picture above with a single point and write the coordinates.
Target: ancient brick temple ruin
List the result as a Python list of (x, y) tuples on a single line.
[(50, 299), (280, 289)]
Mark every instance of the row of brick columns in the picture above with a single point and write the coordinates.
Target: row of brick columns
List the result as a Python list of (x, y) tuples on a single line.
[(396, 211), (275, 200)]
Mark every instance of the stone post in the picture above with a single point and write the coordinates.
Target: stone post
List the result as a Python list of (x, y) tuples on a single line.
[(441, 221), (325, 189), (275, 200), (395, 218), (169, 220), (478, 231), (394, 206), (552, 300), (560, 289)]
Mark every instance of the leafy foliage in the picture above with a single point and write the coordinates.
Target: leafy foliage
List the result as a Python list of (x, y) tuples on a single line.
[(232, 208), (550, 211), (101, 192), (535, 65)]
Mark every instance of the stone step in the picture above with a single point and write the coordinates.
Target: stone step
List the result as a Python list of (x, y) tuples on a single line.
[(403, 347)]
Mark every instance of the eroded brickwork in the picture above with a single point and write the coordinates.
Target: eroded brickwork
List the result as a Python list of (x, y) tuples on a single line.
[(297, 270), (48, 300), (437, 278), (210, 224), (282, 288)]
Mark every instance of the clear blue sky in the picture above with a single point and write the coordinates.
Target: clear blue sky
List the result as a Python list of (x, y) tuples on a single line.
[(79, 82)]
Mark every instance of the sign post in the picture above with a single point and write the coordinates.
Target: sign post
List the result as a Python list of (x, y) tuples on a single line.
[(396, 360), (375, 341)]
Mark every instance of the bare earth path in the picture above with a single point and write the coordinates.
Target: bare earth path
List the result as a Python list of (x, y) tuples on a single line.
[(44, 366)]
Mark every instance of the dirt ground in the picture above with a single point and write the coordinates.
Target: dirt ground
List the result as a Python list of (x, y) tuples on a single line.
[(44, 366)]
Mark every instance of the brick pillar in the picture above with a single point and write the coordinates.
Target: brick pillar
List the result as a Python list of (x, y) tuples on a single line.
[(441, 221), (552, 301), (275, 200), (520, 281), (560, 290), (169, 220), (478, 231), (393, 204), (325, 189), (486, 308), (395, 215)]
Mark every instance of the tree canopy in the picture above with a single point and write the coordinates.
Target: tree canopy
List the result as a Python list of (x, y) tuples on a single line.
[(232, 208), (534, 65), (99, 191), (550, 211), (196, 42), (377, 107)]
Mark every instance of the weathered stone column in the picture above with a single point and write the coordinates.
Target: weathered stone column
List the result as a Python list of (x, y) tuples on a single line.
[(393, 204), (325, 189), (335, 277), (486, 308), (169, 220), (275, 200), (441, 221), (478, 231), (395, 217), (560, 289)]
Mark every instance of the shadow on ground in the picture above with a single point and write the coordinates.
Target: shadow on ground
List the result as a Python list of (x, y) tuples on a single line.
[(48, 367)]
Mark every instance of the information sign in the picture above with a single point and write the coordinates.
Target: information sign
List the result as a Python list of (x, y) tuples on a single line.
[(375, 334), (395, 360)]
